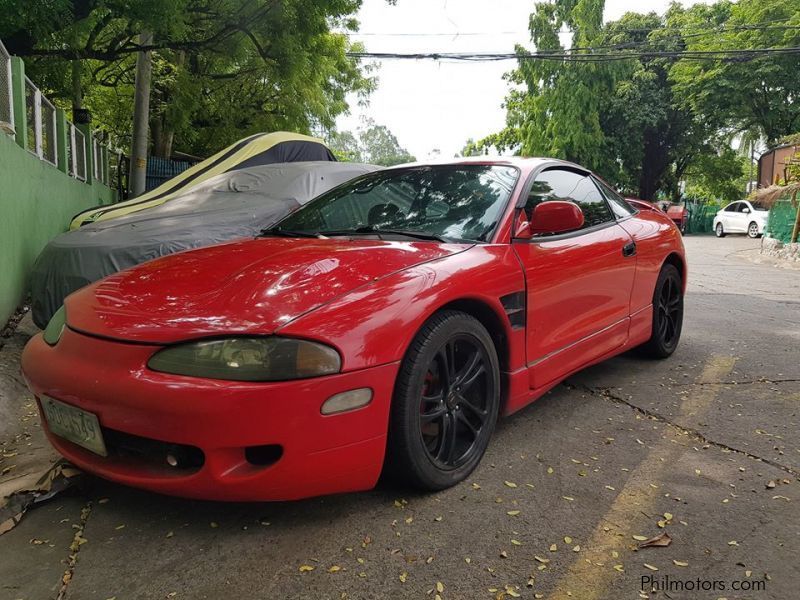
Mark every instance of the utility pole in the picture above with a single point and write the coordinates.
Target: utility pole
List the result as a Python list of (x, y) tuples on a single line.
[(141, 118)]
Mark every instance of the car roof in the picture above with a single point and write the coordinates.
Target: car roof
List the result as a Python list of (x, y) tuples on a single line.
[(527, 163)]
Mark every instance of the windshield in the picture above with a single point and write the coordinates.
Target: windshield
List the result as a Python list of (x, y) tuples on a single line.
[(448, 202), (758, 206)]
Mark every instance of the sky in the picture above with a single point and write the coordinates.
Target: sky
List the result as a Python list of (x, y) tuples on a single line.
[(431, 105)]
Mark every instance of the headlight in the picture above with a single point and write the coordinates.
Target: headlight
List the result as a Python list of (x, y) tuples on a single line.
[(248, 359), (54, 329)]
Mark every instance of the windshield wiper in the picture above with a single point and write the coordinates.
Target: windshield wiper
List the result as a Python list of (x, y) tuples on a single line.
[(420, 235), (277, 231)]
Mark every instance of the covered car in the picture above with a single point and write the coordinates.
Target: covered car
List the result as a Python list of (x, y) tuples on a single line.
[(236, 204), (258, 149)]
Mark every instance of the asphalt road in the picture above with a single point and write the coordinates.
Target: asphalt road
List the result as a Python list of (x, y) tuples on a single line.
[(703, 446)]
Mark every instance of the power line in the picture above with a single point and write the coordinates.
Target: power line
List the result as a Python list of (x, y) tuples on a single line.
[(736, 55), (763, 26)]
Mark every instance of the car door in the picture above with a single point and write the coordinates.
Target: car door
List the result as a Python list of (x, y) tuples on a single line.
[(737, 219), (725, 216), (578, 283)]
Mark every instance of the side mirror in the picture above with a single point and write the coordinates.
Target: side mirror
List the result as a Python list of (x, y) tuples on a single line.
[(522, 227), (746, 210), (556, 216)]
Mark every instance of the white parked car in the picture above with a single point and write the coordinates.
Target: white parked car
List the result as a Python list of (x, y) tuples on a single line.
[(741, 217)]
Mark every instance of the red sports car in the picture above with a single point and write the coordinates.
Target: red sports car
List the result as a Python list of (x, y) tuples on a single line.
[(384, 326)]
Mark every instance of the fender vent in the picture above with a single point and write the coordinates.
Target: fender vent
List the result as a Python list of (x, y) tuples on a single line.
[(514, 305)]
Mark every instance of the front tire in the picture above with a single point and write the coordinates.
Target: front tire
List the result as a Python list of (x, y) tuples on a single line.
[(752, 230), (719, 231), (667, 314), (445, 403)]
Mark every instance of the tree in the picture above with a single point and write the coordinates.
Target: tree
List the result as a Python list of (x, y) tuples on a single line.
[(651, 121), (223, 69), (719, 176), (372, 143), (761, 92)]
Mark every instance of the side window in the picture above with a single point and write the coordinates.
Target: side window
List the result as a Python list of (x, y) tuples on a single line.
[(732, 207), (618, 204), (742, 207), (561, 184)]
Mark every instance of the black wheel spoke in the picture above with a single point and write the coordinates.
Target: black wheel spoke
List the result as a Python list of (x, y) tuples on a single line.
[(447, 439), (436, 413), (470, 374), (479, 412), (462, 418)]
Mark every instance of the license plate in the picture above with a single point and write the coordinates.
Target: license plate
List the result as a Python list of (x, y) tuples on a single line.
[(74, 424)]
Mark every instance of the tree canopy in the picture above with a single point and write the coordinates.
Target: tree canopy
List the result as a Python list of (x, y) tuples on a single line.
[(371, 143), (650, 121), (222, 69)]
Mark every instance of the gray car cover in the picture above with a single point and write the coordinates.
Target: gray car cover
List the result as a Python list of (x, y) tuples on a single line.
[(232, 205)]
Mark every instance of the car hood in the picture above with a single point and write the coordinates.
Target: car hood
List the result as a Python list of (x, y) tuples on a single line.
[(252, 286)]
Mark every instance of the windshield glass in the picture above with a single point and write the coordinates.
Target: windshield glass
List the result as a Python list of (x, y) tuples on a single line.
[(758, 206), (452, 202)]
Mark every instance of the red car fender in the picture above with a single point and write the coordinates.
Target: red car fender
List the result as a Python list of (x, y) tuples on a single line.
[(375, 324)]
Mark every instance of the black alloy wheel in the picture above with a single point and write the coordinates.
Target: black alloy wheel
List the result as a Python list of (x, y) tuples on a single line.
[(667, 313), (445, 403)]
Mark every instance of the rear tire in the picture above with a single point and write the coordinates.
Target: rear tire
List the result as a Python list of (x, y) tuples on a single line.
[(667, 314), (719, 231), (445, 404), (752, 230)]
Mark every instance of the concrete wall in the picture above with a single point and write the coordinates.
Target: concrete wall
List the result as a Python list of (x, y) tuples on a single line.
[(36, 203)]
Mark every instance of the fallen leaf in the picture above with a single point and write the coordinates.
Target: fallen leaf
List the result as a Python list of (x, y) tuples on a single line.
[(403, 576), (553, 547), (668, 516), (651, 567), (503, 554), (568, 498), (770, 484), (549, 470), (512, 513), (733, 543), (516, 542), (680, 563), (334, 569), (544, 561), (306, 568), (576, 548), (439, 587), (619, 568), (510, 484), (475, 486), (661, 540)]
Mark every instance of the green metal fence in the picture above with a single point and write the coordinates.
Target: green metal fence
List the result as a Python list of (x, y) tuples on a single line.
[(781, 220)]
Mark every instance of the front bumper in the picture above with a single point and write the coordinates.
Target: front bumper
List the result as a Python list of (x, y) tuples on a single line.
[(318, 454)]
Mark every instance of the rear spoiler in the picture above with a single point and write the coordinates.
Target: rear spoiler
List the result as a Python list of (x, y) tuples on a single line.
[(642, 204)]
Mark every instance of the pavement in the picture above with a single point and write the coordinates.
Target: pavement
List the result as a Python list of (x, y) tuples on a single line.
[(703, 446)]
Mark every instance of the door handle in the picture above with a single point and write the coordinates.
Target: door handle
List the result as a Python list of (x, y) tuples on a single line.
[(629, 249)]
